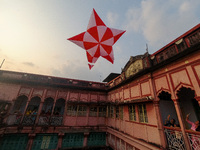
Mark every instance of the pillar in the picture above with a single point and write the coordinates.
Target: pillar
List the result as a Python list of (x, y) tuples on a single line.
[(86, 134), (181, 122), (40, 106), (30, 141), (160, 125), (60, 137), (163, 139), (28, 101), (54, 103)]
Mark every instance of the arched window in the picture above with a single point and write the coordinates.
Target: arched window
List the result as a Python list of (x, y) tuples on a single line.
[(188, 104), (59, 107), (17, 111), (31, 111), (20, 104), (47, 106), (167, 107), (46, 111)]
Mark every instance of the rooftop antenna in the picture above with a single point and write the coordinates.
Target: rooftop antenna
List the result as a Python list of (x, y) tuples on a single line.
[(147, 48), (2, 63)]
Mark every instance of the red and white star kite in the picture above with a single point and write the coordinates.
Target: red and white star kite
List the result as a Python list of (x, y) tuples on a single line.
[(97, 40)]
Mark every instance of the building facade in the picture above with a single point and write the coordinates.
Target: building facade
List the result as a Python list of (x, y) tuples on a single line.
[(125, 113)]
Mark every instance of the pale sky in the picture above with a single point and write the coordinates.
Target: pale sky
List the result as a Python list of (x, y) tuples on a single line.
[(34, 33)]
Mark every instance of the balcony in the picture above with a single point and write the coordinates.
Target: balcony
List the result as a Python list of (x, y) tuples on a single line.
[(30, 120), (176, 141)]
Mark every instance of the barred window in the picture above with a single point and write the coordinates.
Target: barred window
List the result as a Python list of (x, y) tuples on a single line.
[(93, 111), (71, 110), (117, 112), (142, 113), (121, 112), (82, 110), (132, 114), (102, 111), (111, 111)]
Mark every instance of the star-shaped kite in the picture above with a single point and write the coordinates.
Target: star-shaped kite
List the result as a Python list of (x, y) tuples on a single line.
[(97, 40)]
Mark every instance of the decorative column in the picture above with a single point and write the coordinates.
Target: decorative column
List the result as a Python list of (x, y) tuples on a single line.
[(160, 125), (181, 122), (54, 103), (163, 139), (28, 101), (40, 107), (65, 111)]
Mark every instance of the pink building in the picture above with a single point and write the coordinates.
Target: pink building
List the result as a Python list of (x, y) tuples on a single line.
[(126, 112)]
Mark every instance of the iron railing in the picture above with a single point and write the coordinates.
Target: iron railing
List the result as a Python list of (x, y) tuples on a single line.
[(194, 139), (176, 141), (30, 120)]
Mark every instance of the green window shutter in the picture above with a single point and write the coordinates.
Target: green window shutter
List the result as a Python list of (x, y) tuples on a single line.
[(53, 142), (45, 141), (73, 140), (14, 142), (97, 139)]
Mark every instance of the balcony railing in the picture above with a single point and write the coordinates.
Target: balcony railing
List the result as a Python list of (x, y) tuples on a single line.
[(14, 119), (175, 139), (44, 120), (194, 138), (29, 120), (56, 120)]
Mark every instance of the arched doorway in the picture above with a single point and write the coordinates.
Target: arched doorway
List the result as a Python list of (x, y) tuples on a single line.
[(188, 104), (20, 104), (173, 134), (46, 111), (17, 111), (167, 107), (31, 111), (59, 108)]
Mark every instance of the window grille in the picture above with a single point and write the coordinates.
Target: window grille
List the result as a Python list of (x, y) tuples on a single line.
[(82, 110), (111, 111), (142, 113), (93, 111), (117, 112), (102, 111), (71, 110), (121, 112), (132, 114)]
